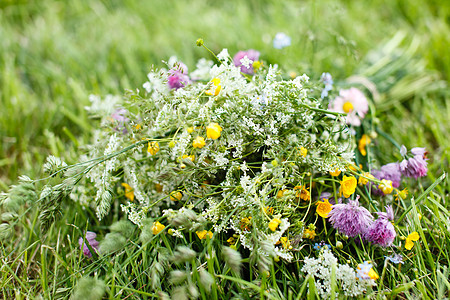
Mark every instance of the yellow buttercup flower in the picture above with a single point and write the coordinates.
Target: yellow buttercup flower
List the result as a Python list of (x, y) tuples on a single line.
[(323, 208), (309, 234), (285, 242), (215, 88), (373, 275), (176, 196), (386, 186), (280, 193), (363, 180), (204, 234), (268, 210), (157, 228), (348, 186), (213, 131), (128, 191), (302, 193), (303, 151), (273, 225), (412, 237), (191, 157), (401, 194), (199, 142), (231, 240), (335, 173), (363, 142), (153, 148)]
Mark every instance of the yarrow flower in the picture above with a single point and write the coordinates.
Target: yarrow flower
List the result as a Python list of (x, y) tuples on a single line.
[(281, 40), (382, 232), (353, 103), (415, 166), (350, 219), (90, 239), (328, 81), (239, 58)]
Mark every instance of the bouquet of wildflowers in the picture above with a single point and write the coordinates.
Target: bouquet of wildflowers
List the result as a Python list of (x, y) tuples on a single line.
[(240, 153)]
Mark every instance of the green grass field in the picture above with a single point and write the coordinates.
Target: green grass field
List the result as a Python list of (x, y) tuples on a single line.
[(54, 54)]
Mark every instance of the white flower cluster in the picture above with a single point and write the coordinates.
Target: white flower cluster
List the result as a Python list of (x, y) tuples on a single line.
[(346, 277), (269, 135)]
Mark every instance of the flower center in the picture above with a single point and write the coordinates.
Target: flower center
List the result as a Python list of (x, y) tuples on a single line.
[(348, 107)]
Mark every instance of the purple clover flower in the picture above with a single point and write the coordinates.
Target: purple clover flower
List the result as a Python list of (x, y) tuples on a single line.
[(90, 239), (120, 116), (382, 232), (178, 76), (415, 166), (350, 219), (251, 54)]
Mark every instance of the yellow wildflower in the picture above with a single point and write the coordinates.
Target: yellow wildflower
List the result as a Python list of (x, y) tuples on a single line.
[(335, 173), (412, 237), (176, 196), (215, 88), (128, 191), (256, 65), (204, 234), (303, 151), (386, 186), (363, 142), (157, 227), (273, 225), (199, 142), (280, 193), (213, 131), (372, 274), (231, 240), (153, 148), (191, 157), (302, 193), (348, 186), (245, 223), (285, 242), (323, 208), (363, 180), (190, 129), (401, 194), (268, 210), (309, 234)]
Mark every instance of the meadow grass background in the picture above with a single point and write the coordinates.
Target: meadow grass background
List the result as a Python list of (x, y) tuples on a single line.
[(54, 54)]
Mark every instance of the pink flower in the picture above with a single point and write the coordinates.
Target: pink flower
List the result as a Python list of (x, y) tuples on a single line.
[(90, 239), (251, 54), (350, 219), (415, 166), (178, 77), (382, 232), (353, 103)]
